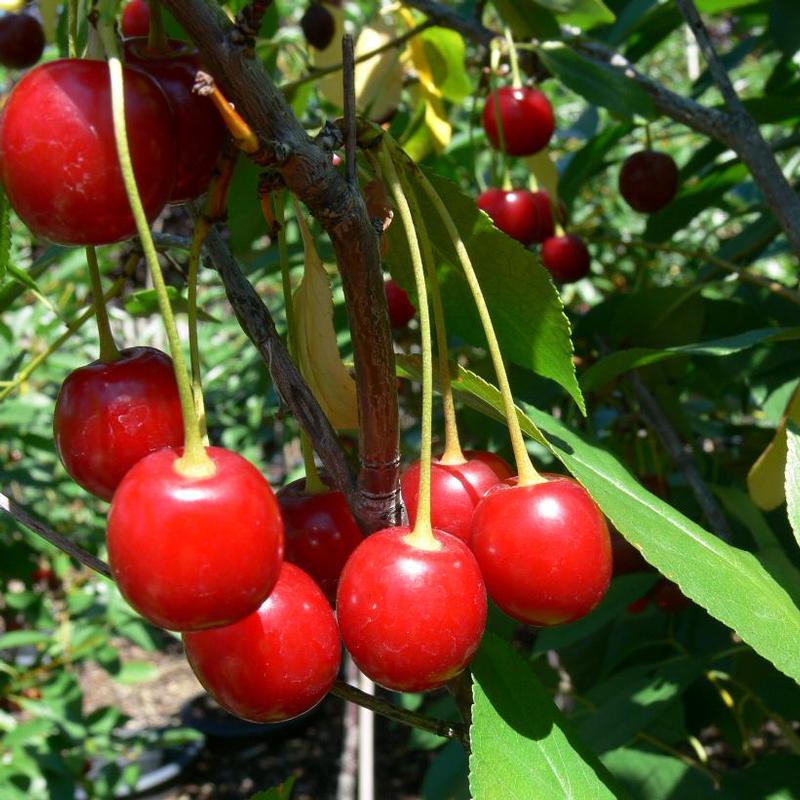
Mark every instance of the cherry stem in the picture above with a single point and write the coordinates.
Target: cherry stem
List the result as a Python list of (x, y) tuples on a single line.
[(314, 482), (453, 454), (516, 78), (201, 229), (72, 13), (501, 134), (422, 533), (648, 139), (194, 462), (157, 41), (525, 470), (108, 348)]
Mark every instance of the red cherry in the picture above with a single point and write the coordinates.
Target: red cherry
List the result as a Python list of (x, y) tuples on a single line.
[(318, 26), (566, 257), (277, 662), (455, 491), (527, 118), (200, 130), (544, 550), (519, 213), (320, 532), (21, 41), (58, 158), (639, 606), (498, 465), (401, 309), (136, 18), (648, 181), (194, 553), (411, 618), (668, 596), (109, 416)]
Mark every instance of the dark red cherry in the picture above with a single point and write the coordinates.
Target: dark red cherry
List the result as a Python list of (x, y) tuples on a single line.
[(109, 416), (411, 618), (527, 119), (498, 465), (21, 40), (566, 257), (401, 309), (320, 533), (200, 130), (668, 596), (194, 553), (544, 550), (318, 26), (275, 663), (517, 213), (136, 18), (455, 491), (58, 157), (639, 606), (648, 181)]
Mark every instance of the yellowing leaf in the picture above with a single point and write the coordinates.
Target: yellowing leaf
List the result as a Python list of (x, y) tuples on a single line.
[(330, 86), (542, 167), (12, 5), (314, 341), (379, 81), (765, 481), (49, 11)]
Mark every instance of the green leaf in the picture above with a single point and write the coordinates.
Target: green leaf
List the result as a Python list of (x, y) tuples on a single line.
[(282, 792), (615, 364), (447, 776), (29, 282), (526, 309), (793, 477), (136, 672), (528, 19), (5, 235), (144, 303), (24, 639), (522, 746), (582, 14), (600, 85), (445, 51), (784, 25)]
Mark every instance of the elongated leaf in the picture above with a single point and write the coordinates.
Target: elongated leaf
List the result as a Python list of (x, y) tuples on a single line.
[(793, 478), (607, 368), (599, 85), (525, 307), (528, 19), (144, 303), (522, 746), (730, 583), (5, 235), (23, 639), (583, 14)]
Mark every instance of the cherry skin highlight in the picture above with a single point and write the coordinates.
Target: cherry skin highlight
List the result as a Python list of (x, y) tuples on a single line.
[(109, 416), (455, 491), (199, 128), (543, 549), (320, 533), (566, 258), (21, 41), (401, 309), (411, 618), (275, 663), (519, 213), (194, 553), (58, 157), (496, 463), (648, 181), (136, 18), (527, 118)]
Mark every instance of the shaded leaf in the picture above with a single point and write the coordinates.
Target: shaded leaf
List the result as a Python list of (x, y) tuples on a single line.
[(793, 478)]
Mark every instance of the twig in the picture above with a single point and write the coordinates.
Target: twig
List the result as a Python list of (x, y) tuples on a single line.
[(349, 81), (682, 456), (15, 511), (449, 730), (257, 323)]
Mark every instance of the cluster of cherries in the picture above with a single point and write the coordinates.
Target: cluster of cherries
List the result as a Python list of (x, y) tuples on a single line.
[(520, 122)]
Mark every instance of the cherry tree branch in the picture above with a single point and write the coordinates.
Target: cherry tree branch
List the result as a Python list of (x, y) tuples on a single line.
[(307, 171)]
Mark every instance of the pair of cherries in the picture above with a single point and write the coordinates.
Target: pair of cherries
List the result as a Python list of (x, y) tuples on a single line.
[(58, 156)]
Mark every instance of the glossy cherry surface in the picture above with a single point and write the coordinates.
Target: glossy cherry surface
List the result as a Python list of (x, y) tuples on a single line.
[(496, 463), (544, 550), (455, 491), (200, 130), (401, 309), (194, 553), (523, 215), (21, 41), (411, 618), (109, 416), (136, 18), (527, 119), (58, 158), (566, 257), (648, 181), (320, 533), (318, 26), (277, 662)]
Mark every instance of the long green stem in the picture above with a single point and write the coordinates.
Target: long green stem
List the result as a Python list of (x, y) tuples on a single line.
[(453, 453), (516, 78), (526, 471), (108, 348), (505, 176), (422, 533), (72, 13), (198, 238), (194, 462)]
